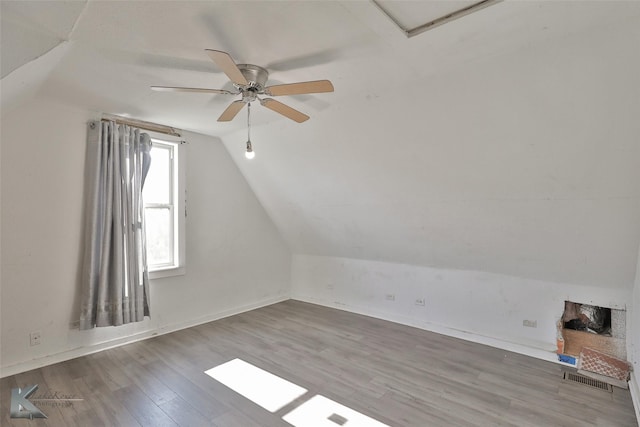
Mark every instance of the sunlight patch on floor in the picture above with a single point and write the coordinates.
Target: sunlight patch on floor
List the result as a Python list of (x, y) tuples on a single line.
[(273, 393), (261, 387), (320, 411)]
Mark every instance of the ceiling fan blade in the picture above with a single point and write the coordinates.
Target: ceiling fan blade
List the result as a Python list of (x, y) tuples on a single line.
[(226, 64), (318, 86), (191, 89), (231, 111), (285, 110)]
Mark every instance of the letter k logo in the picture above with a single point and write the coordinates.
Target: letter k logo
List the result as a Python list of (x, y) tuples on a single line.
[(21, 407)]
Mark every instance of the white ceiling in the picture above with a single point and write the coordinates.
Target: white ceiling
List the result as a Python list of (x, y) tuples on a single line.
[(504, 141)]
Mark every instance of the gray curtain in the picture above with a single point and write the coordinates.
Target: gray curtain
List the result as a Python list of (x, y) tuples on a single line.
[(115, 279)]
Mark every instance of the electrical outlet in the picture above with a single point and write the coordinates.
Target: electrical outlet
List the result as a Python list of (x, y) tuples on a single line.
[(34, 338), (530, 323), (420, 301), (390, 297)]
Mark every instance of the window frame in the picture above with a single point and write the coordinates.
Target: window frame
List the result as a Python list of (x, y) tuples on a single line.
[(177, 205)]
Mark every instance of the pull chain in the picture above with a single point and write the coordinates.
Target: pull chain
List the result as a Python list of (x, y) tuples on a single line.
[(249, 121), (249, 154)]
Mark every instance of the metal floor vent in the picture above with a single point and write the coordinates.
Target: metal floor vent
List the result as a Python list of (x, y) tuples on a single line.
[(581, 379)]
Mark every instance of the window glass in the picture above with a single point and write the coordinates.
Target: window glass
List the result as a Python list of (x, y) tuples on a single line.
[(163, 194), (159, 226), (157, 186)]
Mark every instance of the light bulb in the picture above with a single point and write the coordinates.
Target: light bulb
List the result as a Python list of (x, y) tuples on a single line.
[(249, 154)]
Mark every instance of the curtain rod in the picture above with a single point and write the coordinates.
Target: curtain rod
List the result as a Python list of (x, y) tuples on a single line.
[(153, 127)]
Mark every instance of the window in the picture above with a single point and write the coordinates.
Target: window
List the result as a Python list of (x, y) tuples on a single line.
[(163, 195)]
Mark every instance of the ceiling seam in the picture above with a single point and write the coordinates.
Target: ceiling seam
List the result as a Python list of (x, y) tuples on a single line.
[(411, 32), (75, 23)]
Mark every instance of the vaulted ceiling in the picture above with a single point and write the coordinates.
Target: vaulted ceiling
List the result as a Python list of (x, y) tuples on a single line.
[(504, 141)]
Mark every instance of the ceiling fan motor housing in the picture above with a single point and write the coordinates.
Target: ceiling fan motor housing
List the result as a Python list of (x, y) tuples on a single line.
[(255, 75)]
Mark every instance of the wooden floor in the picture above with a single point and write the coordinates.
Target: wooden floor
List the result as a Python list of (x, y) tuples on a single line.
[(397, 375)]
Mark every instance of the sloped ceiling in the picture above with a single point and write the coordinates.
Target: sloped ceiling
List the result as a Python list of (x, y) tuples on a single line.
[(36, 27), (505, 141)]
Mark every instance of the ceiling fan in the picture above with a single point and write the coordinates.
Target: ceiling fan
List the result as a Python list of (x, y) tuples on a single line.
[(249, 81)]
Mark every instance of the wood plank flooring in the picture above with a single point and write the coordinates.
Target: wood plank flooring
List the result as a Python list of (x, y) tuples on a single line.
[(397, 375)]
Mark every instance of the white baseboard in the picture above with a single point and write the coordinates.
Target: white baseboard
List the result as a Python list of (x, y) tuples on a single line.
[(538, 353), (634, 388), (17, 368)]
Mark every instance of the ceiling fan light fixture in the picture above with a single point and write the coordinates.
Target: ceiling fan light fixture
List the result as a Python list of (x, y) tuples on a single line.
[(249, 154)]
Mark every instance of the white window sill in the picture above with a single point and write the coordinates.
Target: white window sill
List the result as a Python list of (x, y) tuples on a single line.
[(167, 272)]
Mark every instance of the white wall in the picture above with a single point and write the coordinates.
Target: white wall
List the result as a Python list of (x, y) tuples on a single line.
[(633, 343), (483, 307), (236, 259)]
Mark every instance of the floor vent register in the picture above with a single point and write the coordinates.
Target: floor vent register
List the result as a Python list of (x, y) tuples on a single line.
[(581, 379)]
